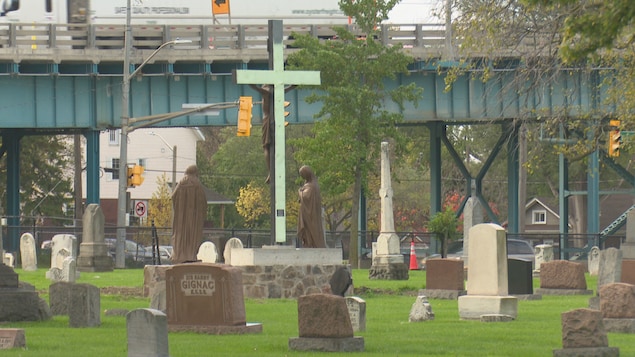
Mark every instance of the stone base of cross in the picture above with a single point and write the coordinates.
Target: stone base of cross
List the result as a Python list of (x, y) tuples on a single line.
[(277, 77)]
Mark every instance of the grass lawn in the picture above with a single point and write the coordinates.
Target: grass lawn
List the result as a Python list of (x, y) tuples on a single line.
[(536, 331)]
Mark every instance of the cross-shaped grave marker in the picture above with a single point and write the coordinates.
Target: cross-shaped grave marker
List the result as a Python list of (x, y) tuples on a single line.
[(277, 77)]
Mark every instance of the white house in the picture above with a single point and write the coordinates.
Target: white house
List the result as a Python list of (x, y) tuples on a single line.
[(152, 148)]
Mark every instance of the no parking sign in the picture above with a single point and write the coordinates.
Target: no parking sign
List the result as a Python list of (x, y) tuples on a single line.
[(141, 208)]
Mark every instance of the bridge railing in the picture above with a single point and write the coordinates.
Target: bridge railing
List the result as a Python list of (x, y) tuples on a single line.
[(27, 39)]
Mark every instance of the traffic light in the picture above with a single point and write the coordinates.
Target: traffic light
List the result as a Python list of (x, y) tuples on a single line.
[(245, 104), (286, 113), (136, 179), (129, 176), (615, 138)]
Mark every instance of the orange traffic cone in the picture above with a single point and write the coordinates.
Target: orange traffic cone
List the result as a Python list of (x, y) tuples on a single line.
[(413, 257)]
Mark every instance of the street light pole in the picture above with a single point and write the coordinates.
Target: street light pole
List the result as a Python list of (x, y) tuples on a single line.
[(120, 261), (173, 148)]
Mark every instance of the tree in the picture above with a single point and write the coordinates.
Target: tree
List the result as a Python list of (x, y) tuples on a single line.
[(253, 204), (445, 226), (160, 205), (46, 178), (591, 26), (345, 145)]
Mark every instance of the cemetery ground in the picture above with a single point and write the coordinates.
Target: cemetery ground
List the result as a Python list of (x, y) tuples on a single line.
[(536, 332)]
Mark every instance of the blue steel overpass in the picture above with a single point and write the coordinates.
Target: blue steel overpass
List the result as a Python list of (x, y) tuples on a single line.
[(67, 79)]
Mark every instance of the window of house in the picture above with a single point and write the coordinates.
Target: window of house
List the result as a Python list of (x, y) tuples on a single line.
[(115, 168), (539, 217), (113, 136)]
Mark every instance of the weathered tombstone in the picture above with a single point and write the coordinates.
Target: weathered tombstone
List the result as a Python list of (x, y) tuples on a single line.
[(583, 334), (593, 261), (519, 277), (324, 324), (93, 251), (609, 267), (232, 243), (628, 251), (12, 338), (147, 333), (472, 215), (487, 285), (445, 279), (421, 310), (562, 277), (20, 301), (28, 255), (207, 298), (617, 304), (63, 246), (60, 297), (388, 263), (69, 270), (207, 252), (154, 285), (341, 281), (85, 306), (357, 312), (543, 253), (9, 259)]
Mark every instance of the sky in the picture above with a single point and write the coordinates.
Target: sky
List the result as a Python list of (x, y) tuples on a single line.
[(415, 11)]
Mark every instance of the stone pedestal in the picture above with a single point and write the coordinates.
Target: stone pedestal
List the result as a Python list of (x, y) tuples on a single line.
[(390, 271), (285, 255), (472, 307), (20, 301)]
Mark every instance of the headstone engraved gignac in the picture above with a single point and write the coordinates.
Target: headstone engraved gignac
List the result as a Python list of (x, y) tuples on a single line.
[(204, 294)]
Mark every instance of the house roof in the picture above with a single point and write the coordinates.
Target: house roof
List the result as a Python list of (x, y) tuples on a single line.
[(215, 198), (542, 202)]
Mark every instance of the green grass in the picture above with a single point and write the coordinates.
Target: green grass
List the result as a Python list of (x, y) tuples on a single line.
[(536, 331)]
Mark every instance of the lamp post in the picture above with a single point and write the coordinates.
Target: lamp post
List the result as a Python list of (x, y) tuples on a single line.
[(173, 148), (120, 261)]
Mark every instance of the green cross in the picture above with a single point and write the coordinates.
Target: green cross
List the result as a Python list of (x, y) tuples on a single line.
[(278, 78)]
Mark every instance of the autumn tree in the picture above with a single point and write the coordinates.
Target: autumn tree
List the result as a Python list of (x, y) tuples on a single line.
[(160, 205), (445, 226), (344, 145)]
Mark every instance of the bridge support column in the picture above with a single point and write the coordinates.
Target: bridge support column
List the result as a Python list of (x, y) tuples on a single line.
[(92, 166), (513, 178)]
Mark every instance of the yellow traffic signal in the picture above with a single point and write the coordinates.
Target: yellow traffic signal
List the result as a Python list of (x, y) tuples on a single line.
[(245, 104), (137, 179), (129, 176), (615, 138)]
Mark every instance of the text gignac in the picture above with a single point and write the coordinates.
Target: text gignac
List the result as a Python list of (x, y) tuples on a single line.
[(198, 284)]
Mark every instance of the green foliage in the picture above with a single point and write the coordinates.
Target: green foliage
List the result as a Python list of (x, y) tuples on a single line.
[(445, 226), (368, 14), (160, 205), (253, 204), (46, 178)]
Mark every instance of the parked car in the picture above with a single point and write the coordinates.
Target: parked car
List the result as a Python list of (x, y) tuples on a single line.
[(165, 253), (134, 252), (516, 249)]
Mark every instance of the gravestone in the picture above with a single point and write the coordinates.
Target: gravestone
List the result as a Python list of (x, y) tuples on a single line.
[(388, 263), (593, 261), (445, 279), (583, 334), (207, 253), (69, 270), (562, 277), (154, 285), (357, 312), (18, 300), (520, 280), (487, 284), (93, 251), (472, 215), (324, 325), (147, 333), (85, 306), (341, 281), (60, 297), (206, 298), (8, 259), (12, 338), (617, 304), (609, 272), (232, 243), (28, 255), (421, 310), (63, 246), (543, 253)]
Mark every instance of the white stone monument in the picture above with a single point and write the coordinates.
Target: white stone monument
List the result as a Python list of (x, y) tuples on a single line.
[(207, 252), (28, 252), (232, 243), (543, 253), (593, 261), (487, 285), (63, 246), (387, 263)]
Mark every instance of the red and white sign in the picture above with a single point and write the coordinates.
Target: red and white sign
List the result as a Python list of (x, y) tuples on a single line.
[(141, 208)]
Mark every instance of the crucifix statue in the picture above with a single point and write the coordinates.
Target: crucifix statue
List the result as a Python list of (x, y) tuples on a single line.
[(277, 81)]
